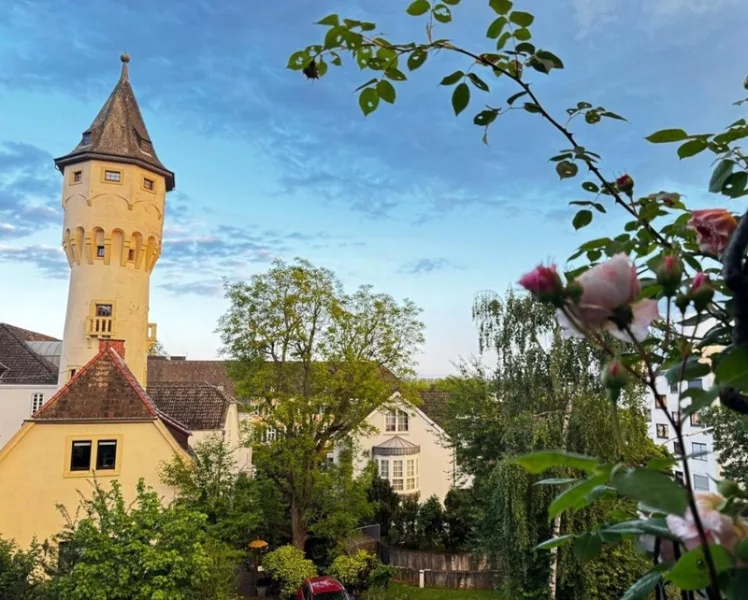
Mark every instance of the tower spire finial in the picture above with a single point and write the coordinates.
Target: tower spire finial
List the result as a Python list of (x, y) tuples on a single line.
[(125, 58)]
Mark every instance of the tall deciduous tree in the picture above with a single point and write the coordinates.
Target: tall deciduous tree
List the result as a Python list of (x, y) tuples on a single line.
[(316, 362), (730, 431), (544, 392), (210, 484)]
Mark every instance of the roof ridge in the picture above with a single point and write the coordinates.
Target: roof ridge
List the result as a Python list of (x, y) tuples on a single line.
[(128, 374)]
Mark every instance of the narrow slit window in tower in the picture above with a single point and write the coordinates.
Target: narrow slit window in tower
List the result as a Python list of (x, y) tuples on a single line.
[(100, 251), (131, 254)]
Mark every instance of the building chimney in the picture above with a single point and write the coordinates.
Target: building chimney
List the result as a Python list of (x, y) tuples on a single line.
[(117, 345)]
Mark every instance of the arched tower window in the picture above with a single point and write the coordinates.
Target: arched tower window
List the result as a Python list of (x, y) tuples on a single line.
[(79, 238), (99, 247), (118, 242), (136, 247)]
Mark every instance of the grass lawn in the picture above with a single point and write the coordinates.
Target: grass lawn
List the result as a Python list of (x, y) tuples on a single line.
[(399, 590)]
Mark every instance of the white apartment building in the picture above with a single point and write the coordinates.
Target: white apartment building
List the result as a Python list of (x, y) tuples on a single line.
[(698, 441)]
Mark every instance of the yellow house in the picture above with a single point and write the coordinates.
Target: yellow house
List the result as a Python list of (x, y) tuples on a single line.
[(100, 426)]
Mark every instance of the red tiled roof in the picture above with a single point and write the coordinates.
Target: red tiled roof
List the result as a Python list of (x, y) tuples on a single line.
[(161, 370), (200, 406), (104, 389)]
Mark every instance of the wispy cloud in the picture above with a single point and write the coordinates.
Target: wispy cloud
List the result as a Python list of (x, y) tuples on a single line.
[(28, 190), (428, 265), (49, 260)]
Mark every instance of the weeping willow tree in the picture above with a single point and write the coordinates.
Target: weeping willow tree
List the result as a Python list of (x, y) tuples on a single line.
[(544, 393)]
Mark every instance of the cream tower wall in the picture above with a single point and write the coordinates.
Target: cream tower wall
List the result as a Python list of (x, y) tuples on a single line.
[(127, 219)]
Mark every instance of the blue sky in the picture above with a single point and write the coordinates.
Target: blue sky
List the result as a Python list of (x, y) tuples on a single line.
[(271, 165)]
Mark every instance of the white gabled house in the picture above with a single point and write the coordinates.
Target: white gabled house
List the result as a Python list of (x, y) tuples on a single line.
[(410, 448)]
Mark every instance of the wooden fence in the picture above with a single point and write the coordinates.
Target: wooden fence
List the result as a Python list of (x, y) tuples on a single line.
[(414, 559), (451, 571)]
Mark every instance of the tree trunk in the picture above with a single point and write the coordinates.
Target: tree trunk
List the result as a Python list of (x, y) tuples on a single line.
[(556, 531), (298, 527)]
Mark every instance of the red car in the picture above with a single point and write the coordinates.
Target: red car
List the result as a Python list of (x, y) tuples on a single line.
[(322, 588)]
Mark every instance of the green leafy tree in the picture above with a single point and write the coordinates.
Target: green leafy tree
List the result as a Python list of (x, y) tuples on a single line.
[(157, 349), (210, 484), (430, 524), (460, 520), (340, 504), (404, 530), (133, 552), (544, 392), (730, 433), (316, 362), (288, 569), (384, 501), (20, 572)]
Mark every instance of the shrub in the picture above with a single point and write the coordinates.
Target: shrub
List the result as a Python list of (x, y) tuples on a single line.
[(19, 572), (360, 571), (380, 576), (136, 551), (288, 569)]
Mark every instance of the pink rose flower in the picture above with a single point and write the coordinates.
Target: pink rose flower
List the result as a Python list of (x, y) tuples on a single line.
[(713, 229), (719, 528), (542, 282), (605, 288)]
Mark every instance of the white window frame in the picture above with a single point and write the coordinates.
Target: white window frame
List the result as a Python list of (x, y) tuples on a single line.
[(396, 421), (397, 481), (700, 454), (390, 421), (696, 485), (37, 401), (410, 474)]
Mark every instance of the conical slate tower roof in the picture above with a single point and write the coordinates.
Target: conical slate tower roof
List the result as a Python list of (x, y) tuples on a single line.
[(118, 133)]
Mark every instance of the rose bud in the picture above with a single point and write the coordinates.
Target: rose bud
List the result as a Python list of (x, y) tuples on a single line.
[(615, 376), (544, 283), (669, 275), (625, 184), (701, 292)]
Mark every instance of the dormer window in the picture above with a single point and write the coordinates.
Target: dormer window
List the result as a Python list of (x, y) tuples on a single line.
[(146, 146), (86, 139)]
